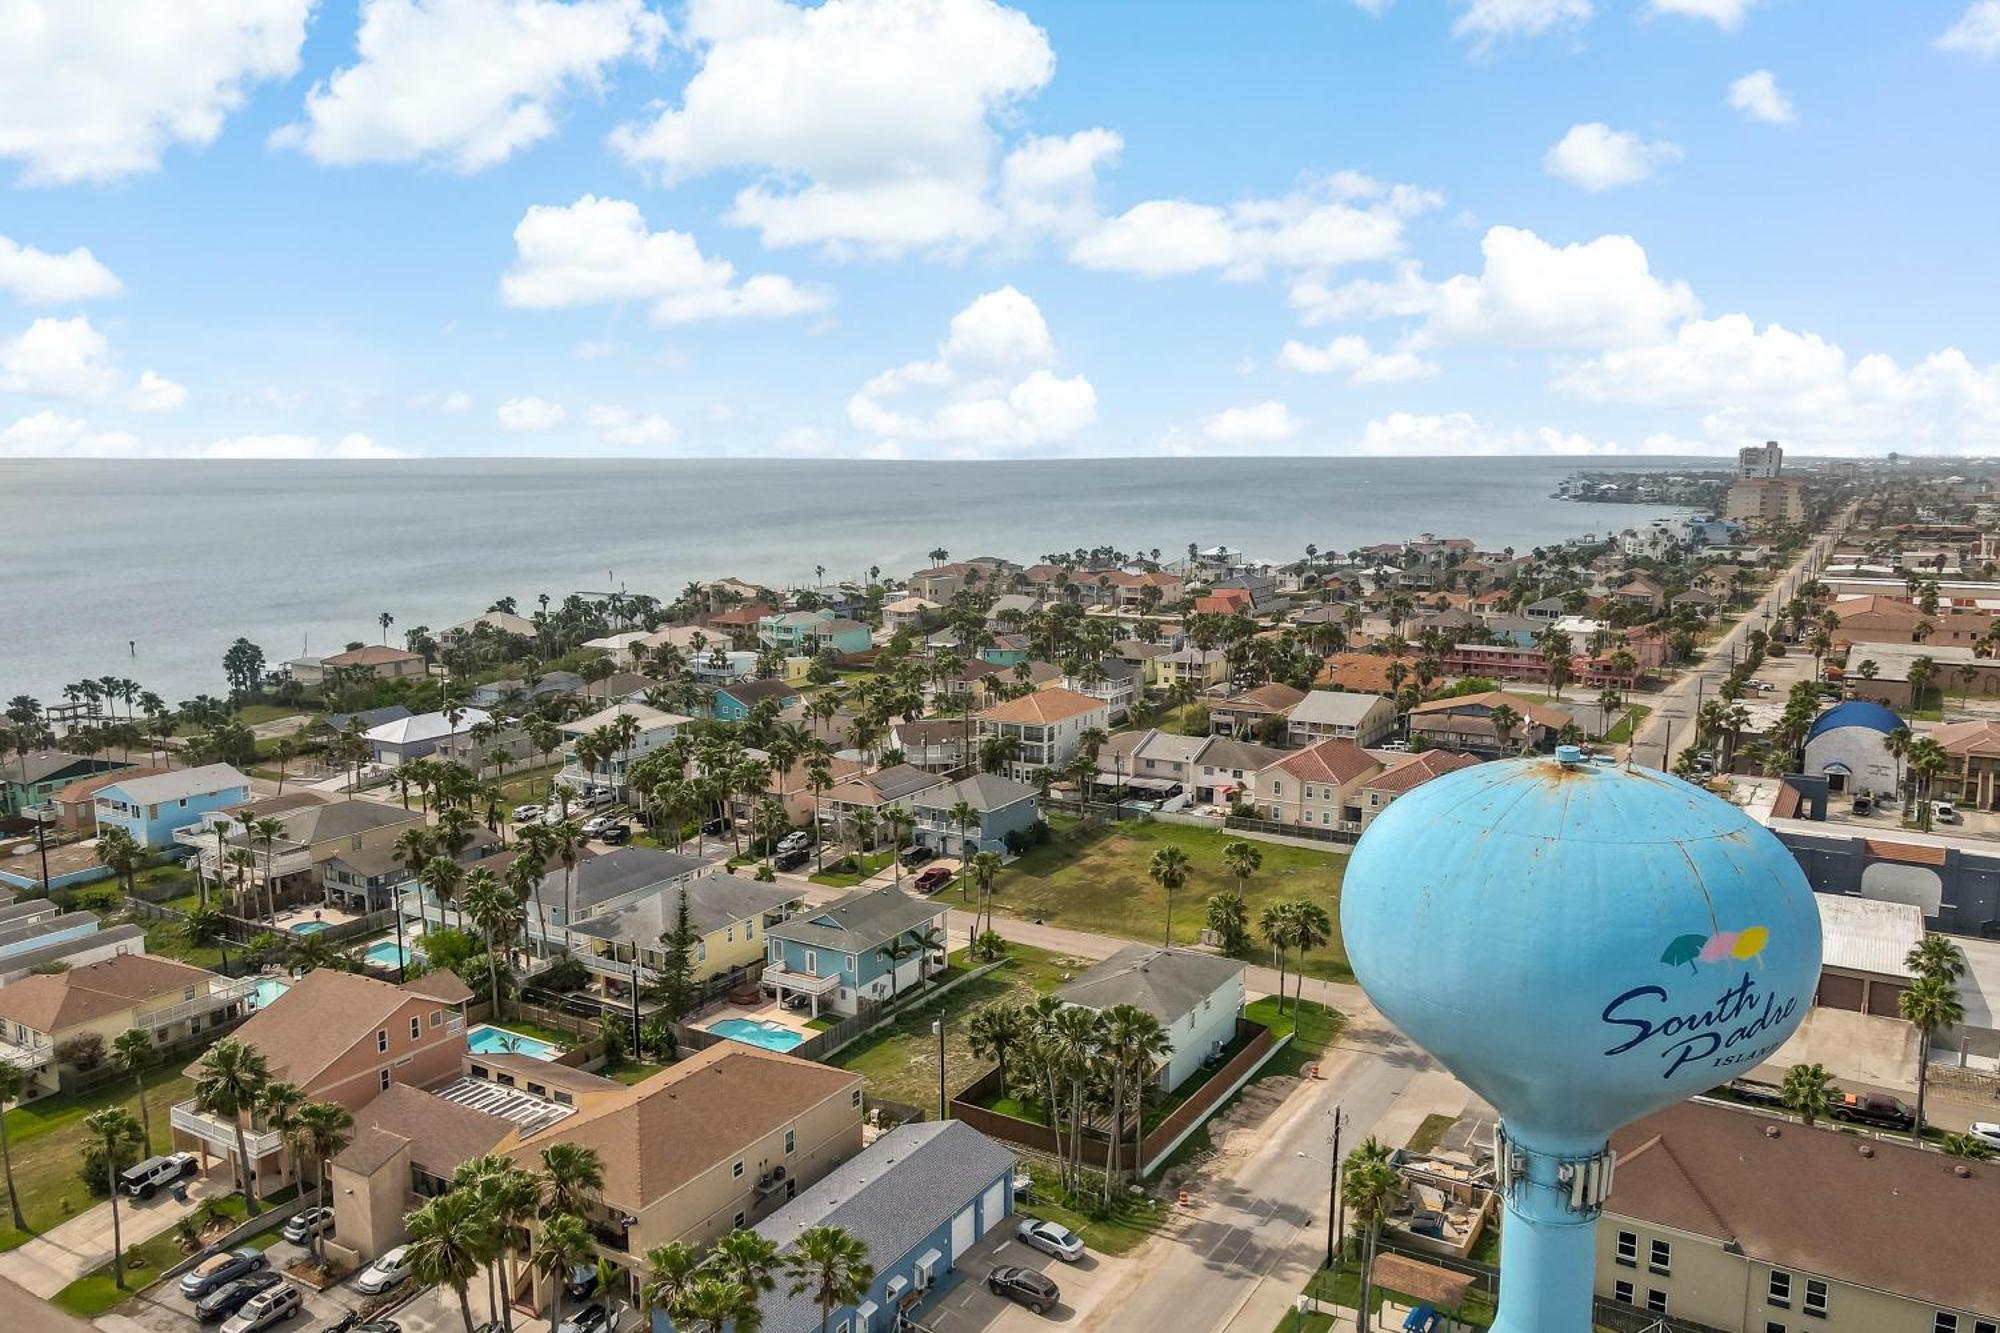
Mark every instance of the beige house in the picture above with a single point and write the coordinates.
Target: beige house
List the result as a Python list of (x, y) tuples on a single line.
[(171, 1001), (1747, 1223), (1046, 725), (313, 834), (1365, 719), (1318, 786), (1375, 794)]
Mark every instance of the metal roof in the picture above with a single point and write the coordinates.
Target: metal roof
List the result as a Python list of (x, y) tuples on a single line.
[(1867, 934)]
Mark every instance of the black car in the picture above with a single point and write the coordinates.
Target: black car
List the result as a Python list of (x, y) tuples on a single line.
[(592, 1318), (791, 860), (715, 827), (351, 1323), (1756, 1093), (1024, 1286), (616, 836), (227, 1298), (917, 855)]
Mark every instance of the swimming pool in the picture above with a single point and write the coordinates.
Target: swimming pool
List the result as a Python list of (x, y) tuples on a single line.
[(385, 953), (485, 1039), (268, 990), (311, 927), (754, 1032)]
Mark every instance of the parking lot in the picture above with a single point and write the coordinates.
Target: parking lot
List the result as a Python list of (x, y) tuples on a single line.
[(969, 1307)]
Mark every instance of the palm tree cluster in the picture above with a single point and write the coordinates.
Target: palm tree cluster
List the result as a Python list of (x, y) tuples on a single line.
[(1294, 927), (1931, 1004)]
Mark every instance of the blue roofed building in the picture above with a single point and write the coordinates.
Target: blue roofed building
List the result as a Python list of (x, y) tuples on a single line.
[(920, 1198), (1848, 746)]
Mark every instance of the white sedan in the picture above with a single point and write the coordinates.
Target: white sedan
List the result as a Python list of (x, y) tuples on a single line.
[(1051, 1238), (1987, 1132), (385, 1272)]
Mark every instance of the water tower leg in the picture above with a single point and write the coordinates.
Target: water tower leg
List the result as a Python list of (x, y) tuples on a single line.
[(1549, 1249)]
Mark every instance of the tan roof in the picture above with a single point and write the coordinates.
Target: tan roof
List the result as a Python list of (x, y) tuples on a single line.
[(1907, 1221), (323, 1016), (370, 1150), (52, 1001), (1419, 769), (372, 654), (1273, 697), (1051, 705), (658, 1135), (443, 985), (1976, 738), (1538, 713), (1330, 761), (441, 1133)]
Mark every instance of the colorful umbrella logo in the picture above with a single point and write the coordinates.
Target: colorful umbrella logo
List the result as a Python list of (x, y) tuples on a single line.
[(1743, 945)]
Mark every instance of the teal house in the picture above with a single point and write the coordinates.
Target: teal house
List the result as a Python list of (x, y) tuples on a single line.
[(871, 944), (30, 779), (808, 633), (733, 702)]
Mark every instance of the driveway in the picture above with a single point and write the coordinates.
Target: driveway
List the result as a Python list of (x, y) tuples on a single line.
[(969, 1307), (62, 1254)]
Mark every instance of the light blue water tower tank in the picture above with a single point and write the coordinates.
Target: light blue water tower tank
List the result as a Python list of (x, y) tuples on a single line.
[(1581, 944)]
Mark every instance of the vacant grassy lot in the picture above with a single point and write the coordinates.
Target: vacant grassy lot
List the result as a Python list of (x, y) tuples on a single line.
[(1100, 883), (47, 1137)]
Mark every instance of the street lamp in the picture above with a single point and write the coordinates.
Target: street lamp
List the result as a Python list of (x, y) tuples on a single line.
[(937, 1030)]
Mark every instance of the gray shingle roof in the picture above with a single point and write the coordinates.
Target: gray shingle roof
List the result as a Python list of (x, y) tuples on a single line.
[(715, 900), (984, 792), (909, 1183), (182, 782), (1166, 983), (613, 873), (861, 920), (894, 784)]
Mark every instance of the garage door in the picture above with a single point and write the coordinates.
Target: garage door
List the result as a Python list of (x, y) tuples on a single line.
[(993, 1208), (964, 1231)]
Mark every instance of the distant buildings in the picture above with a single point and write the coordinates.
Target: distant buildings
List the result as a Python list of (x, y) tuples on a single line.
[(1761, 498)]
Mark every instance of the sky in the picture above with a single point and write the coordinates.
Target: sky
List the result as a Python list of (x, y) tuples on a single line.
[(967, 229)]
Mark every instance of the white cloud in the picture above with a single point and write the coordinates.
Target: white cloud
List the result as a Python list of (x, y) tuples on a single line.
[(290, 448), (806, 440), (622, 425), (1351, 356), (883, 137), (1267, 422), (991, 386), (1487, 21), (1724, 14), (1758, 96), (100, 90), (61, 358), (1593, 294), (52, 435), (592, 350), (1343, 219), (458, 400), (1373, 8), (1977, 32), (1049, 184), (599, 250), (465, 83), (1459, 434), (530, 413), (156, 393), (1595, 157), (40, 278)]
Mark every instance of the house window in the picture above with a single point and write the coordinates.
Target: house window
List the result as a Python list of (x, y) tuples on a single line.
[(1656, 1300), (437, 1018), (736, 1172), (1628, 1250), (1661, 1259), (1985, 1326), (1773, 1326), (1278, 789), (387, 1078), (729, 935), (750, 929), (738, 1223), (1944, 1323), (857, 1097), (791, 1139), (416, 1028), (1815, 1301), (1621, 1292), (1778, 1291), (382, 1040)]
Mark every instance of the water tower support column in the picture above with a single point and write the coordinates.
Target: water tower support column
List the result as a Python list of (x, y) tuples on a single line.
[(1549, 1236)]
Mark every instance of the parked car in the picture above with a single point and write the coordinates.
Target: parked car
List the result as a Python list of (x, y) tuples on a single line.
[(351, 1322), (267, 1309), (1874, 1108), (221, 1267), (1393, 747), (1986, 1131), (592, 1318), (792, 859), (528, 814), (1864, 804), (1756, 1093), (617, 835), (385, 1272), (916, 856), (304, 1226), (1050, 1238), (794, 840), (143, 1180), (582, 1282), (715, 827), (933, 879), (1024, 1286), (230, 1297), (1944, 812), (596, 797)]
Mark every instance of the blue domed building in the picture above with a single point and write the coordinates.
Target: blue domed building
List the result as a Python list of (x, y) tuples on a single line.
[(1848, 746)]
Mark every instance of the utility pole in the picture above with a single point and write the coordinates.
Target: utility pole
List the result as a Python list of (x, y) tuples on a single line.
[(1335, 1218), (937, 1026)]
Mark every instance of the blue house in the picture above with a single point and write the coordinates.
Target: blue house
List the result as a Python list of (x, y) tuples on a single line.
[(732, 703), (1000, 806), (871, 944), (920, 1198), (150, 809)]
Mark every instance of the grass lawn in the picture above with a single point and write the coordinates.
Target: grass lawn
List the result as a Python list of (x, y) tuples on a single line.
[(556, 1037), (47, 1136), (166, 939), (1621, 732), (1315, 1027), (1344, 1289), (629, 1072), (900, 1062), (522, 786), (870, 863), (1101, 885), (1430, 1133), (96, 1292), (1128, 1223)]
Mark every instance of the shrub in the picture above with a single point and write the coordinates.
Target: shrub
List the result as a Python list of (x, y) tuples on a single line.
[(82, 1054), (563, 975)]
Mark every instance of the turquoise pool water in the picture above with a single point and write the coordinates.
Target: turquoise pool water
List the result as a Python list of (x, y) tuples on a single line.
[(771, 1036), (268, 990), (485, 1039), (385, 953), (309, 928)]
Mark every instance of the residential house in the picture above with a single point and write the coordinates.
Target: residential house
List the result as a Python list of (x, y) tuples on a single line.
[(1196, 996), (686, 640), (871, 944), (38, 928), (372, 659), (874, 792), (1011, 610), (368, 879), (1465, 723), (727, 913), (41, 1015), (1704, 1225), (476, 752), (310, 835), (1046, 726), (518, 689), (1365, 673), (809, 633), (1003, 811), (394, 744), (1145, 657), (1377, 793), (151, 809), (1224, 602), (1954, 670), (75, 804), (1550, 609), (1115, 682), (496, 622), (1365, 719), (339, 724), (1225, 769), (733, 702), (920, 1198), (1255, 712), (1875, 618), (31, 779), (939, 583), (341, 1037), (936, 745), (790, 787), (1643, 592), (1128, 591), (1318, 786), (1192, 668), (907, 613), (572, 895), (1150, 763), (1006, 650), (655, 728)]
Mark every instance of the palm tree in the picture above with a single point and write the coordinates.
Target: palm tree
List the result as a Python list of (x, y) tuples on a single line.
[(116, 1134), (320, 1132), (899, 822), (1275, 925), (442, 876), (267, 831), (564, 1243), (1134, 1042), (830, 1265), (985, 866), (1930, 1005), (1370, 1188), (226, 1083), (1170, 869), (747, 1258), (1808, 1092), (1311, 926), (119, 853), (572, 1179), (279, 1103), (12, 1083), (712, 1303), (1936, 956), (133, 1049), (670, 1269), (993, 1031), (448, 1239), (500, 918), (1242, 859)]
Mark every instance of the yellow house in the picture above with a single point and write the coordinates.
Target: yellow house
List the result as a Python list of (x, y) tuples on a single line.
[(728, 914), (41, 1015)]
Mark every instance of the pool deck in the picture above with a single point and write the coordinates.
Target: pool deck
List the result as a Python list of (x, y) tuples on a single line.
[(770, 1012), (293, 918)]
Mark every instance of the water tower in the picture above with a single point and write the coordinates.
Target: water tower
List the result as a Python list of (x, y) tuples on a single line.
[(1582, 945)]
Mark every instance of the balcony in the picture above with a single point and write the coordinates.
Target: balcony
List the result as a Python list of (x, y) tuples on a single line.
[(221, 994), (25, 1058), (804, 983), (220, 1135)]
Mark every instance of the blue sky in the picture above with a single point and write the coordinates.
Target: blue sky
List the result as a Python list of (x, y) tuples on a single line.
[(955, 228)]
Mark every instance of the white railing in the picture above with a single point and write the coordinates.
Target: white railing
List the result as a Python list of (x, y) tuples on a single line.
[(282, 861), (804, 982), (221, 1134), (221, 994), (25, 1058)]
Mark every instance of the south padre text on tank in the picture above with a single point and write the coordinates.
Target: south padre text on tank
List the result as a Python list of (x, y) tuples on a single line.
[(1582, 944)]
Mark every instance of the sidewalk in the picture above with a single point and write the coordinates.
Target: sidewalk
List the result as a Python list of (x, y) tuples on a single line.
[(62, 1254)]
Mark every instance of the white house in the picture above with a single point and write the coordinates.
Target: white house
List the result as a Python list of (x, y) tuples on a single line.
[(413, 737), (1324, 715), (1196, 996), (1046, 725), (655, 728)]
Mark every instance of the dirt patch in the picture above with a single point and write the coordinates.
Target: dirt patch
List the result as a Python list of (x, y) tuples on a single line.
[(1235, 1134)]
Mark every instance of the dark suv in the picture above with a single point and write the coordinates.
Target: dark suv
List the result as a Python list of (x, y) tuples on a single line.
[(917, 855), (1024, 1286)]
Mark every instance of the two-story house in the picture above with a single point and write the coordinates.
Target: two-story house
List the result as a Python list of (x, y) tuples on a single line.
[(1000, 808), (150, 809), (1149, 764), (42, 1014), (570, 895), (1197, 997), (727, 913), (310, 835), (733, 702), (654, 728), (1226, 769), (1375, 794), (1323, 715), (934, 744), (1046, 726), (872, 944), (32, 779), (1257, 713), (1115, 682), (874, 792), (1318, 787), (809, 633)]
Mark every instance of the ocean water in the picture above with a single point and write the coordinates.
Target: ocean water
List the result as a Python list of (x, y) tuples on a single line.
[(149, 570)]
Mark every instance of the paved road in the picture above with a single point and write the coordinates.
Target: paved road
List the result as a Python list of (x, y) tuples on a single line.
[(20, 1309), (1671, 723), (62, 1254)]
